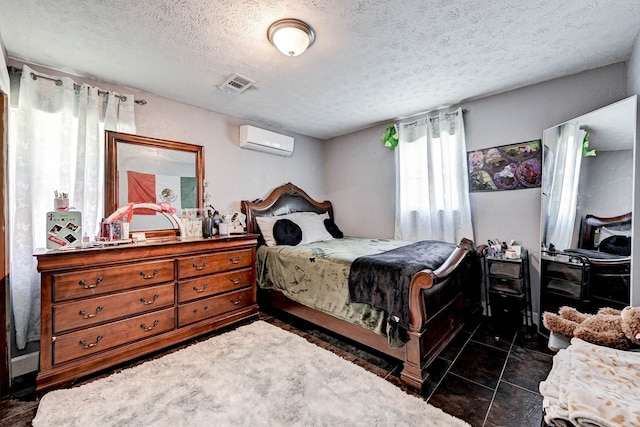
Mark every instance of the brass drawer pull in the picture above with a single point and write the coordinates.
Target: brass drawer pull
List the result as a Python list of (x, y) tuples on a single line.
[(236, 302), (144, 326), (84, 314), (83, 283), (235, 260), (145, 302), (198, 290), (236, 282), (84, 344), (144, 275), (206, 307), (197, 267)]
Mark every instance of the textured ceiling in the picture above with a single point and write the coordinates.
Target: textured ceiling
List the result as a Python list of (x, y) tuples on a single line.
[(372, 61)]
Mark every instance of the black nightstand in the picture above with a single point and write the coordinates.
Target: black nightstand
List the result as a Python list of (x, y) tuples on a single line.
[(508, 290), (564, 280)]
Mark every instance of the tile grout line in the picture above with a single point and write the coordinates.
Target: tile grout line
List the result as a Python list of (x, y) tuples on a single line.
[(452, 362), (521, 387), (504, 366)]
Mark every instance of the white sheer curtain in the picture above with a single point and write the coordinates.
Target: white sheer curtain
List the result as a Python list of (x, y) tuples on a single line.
[(563, 164), (56, 143), (432, 187)]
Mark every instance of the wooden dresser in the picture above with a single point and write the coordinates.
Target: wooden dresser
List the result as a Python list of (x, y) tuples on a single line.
[(104, 306)]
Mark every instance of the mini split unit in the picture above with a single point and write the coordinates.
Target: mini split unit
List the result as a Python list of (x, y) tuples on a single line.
[(254, 138)]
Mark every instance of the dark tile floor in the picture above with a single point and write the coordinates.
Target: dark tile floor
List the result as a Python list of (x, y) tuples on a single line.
[(486, 376)]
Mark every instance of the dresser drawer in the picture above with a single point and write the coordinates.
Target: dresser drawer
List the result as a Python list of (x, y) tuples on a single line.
[(565, 287), (91, 311), (96, 281), (99, 338), (564, 271), (213, 263), (214, 306), (214, 284), (502, 303), (513, 286), (512, 270)]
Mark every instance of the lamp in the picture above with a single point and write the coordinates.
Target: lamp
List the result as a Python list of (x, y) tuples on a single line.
[(291, 36)]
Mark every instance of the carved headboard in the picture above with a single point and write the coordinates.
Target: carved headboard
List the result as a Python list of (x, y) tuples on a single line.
[(592, 228), (281, 201)]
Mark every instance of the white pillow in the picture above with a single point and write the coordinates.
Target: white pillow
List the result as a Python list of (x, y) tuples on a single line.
[(608, 232), (266, 224), (615, 232), (313, 228)]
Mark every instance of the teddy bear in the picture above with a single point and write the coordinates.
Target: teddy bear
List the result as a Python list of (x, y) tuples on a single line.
[(608, 327)]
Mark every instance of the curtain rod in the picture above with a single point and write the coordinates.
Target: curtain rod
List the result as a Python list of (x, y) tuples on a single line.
[(446, 115), (426, 113), (58, 82)]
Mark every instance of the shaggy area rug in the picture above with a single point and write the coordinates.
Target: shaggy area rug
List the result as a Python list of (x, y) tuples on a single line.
[(255, 375)]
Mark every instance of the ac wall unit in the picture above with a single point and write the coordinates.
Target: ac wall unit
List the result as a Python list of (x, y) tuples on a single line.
[(258, 139)]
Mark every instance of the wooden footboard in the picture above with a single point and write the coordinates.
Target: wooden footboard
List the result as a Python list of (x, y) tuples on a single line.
[(455, 285), (429, 335)]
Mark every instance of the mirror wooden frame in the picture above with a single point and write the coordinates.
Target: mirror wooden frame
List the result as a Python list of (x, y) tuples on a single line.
[(111, 193)]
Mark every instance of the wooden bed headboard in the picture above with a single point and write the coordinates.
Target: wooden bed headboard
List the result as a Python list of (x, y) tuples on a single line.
[(282, 200), (591, 223)]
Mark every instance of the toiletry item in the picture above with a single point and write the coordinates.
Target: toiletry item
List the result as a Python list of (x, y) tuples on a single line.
[(510, 254), (207, 225), (223, 228), (216, 221)]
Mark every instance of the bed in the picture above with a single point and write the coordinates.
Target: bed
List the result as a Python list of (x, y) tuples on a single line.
[(318, 282), (606, 243), (592, 385)]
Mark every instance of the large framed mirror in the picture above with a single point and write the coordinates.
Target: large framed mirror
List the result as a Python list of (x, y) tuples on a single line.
[(587, 213), (141, 169)]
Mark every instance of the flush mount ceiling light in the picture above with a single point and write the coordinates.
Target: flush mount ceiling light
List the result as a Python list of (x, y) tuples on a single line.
[(291, 36)]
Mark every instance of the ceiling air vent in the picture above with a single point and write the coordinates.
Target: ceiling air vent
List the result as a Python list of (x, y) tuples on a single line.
[(236, 84)]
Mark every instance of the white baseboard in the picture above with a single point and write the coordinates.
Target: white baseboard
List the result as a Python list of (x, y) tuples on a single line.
[(25, 364)]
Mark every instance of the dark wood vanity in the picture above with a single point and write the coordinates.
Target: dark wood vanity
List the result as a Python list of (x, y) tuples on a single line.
[(104, 306)]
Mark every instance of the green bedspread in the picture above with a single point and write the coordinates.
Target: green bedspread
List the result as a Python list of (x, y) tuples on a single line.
[(317, 275)]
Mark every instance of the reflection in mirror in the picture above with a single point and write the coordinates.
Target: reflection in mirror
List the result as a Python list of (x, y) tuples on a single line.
[(587, 190), (562, 162), (148, 170), (596, 179)]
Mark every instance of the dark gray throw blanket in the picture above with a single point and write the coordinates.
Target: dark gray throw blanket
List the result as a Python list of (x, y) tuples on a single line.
[(383, 280), (589, 253)]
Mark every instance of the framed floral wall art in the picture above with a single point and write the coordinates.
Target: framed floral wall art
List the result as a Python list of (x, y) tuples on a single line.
[(507, 167)]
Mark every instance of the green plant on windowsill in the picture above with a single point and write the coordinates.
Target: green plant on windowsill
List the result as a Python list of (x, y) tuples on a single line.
[(390, 137)]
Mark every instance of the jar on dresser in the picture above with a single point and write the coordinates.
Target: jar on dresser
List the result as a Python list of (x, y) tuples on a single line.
[(104, 306)]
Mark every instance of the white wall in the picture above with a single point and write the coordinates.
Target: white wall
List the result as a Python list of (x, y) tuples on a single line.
[(598, 175), (633, 69), (4, 75), (232, 173), (359, 171), (360, 181)]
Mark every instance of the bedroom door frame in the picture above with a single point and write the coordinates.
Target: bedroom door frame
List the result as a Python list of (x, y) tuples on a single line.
[(5, 380)]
